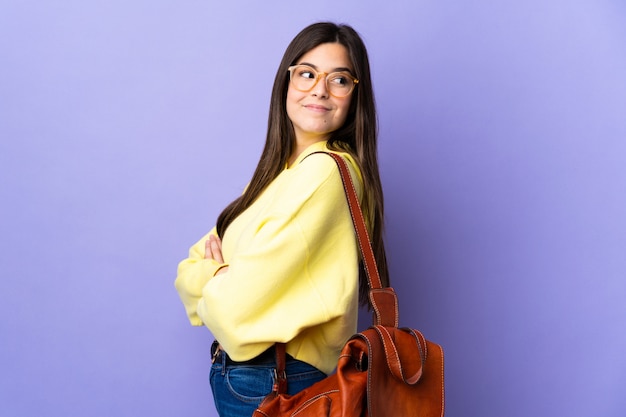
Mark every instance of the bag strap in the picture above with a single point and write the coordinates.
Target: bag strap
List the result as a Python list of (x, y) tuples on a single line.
[(384, 300)]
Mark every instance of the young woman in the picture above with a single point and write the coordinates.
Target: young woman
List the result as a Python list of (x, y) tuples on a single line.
[(282, 264)]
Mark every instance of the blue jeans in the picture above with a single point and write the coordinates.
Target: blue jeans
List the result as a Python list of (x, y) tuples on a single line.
[(238, 389)]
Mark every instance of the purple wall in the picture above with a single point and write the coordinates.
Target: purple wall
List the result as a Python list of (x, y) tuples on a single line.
[(126, 126)]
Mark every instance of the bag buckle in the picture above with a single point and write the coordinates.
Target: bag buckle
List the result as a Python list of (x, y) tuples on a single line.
[(218, 349), (280, 381)]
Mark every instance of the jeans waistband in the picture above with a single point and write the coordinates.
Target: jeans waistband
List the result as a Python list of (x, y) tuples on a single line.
[(218, 355)]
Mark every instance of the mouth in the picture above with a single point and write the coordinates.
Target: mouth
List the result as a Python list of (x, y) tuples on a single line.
[(316, 108)]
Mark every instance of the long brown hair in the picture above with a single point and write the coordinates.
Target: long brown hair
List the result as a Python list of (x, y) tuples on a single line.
[(358, 136)]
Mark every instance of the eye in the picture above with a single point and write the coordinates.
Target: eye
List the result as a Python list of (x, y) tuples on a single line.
[(307, 73), (340, 79)]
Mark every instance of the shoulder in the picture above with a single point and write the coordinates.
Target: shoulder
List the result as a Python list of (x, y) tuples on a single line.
[(313, 174), (323, 163), (318, 161), (317, 177)]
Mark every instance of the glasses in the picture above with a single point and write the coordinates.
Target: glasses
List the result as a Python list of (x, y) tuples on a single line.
[(339, 84)]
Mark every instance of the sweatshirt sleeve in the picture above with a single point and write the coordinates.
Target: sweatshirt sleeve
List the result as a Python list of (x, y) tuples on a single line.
[(193, 274), (299, 269)]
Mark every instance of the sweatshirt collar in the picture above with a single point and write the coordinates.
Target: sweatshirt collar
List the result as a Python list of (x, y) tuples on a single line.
[(315, 147)]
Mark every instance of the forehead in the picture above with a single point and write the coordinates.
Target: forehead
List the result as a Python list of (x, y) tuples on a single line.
[(327, 57)]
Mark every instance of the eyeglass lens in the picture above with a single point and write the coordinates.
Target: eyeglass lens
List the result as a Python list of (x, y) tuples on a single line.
[(304, 78)]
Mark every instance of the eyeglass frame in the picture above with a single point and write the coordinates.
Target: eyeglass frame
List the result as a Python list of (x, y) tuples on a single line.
[(321, 74)]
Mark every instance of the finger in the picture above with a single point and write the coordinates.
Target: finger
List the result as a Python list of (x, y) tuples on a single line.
[(216, 249), (207, 249)]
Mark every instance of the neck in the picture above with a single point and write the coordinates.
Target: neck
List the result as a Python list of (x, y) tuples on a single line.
[(302, 144)]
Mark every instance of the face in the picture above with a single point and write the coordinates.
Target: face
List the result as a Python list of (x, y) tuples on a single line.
[(316, 113)]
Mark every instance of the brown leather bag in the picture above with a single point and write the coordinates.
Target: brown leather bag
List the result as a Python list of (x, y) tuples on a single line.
[(382, 371)]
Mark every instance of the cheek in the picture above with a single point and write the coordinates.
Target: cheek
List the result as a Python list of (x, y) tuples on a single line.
[(293, 97), (344, 109)]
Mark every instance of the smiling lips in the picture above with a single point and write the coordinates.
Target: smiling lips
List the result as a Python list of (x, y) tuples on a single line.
[(317, 108)]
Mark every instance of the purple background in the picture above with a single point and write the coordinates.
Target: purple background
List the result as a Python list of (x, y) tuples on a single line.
[(127, 125)]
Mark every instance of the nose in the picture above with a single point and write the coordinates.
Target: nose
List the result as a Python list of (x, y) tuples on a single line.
[(320, 89)]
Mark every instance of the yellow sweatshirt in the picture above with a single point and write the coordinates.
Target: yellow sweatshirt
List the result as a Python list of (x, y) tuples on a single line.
[(292, 273)]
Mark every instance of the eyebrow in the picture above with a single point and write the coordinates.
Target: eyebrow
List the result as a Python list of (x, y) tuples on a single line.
[(339, 69)]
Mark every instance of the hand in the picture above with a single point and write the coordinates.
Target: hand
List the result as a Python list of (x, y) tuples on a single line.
[(213, 250)]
